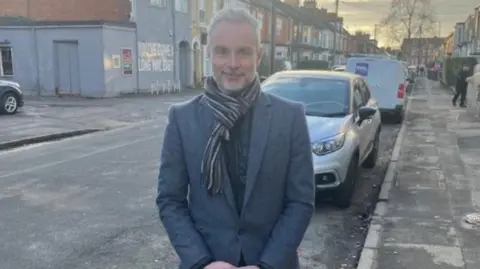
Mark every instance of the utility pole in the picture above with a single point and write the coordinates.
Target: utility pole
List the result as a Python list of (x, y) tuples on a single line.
[(298, 40), (273, 33), (174, 43), (375, 31), (419, 57), (337, 2)]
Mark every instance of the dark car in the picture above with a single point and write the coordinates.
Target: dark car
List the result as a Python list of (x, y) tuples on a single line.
[(11, 97)]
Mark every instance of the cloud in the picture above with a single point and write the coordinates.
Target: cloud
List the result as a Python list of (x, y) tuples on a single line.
[(364, 14)]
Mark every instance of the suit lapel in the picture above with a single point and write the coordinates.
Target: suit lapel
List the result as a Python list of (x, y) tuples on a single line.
[(207, 120), (258, 141)]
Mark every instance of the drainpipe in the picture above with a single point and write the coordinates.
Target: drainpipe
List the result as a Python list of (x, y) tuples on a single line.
[(37, 64), (138, 57), (174, 43)]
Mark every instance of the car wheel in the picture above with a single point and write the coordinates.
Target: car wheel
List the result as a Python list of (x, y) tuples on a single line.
[(9, 103), (371, 160), (344, 193)]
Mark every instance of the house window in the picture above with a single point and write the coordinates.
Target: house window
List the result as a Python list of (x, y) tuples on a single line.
[(215, 6), (159, 3), (133, 8), (6, 62), (202, 16), (260, 20), (181, 6), (279, 26)]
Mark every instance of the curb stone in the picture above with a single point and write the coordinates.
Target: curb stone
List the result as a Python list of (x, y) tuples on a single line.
[(45, 138), (368, 255)]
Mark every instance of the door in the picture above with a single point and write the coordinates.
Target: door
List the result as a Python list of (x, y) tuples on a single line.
[(67, 76), (362, 127), (184, 63), (370, 125)]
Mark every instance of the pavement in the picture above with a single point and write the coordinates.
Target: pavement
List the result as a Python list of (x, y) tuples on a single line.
[(432, 183), (88, 202), (48, 118)]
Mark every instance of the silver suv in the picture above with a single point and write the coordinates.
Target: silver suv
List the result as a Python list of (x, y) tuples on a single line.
[(344, 123)]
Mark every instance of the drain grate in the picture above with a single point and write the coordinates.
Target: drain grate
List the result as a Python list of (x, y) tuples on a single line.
[(473, 219)]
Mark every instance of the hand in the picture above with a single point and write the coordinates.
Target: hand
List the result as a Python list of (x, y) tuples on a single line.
[(220, 265), (249, 267)]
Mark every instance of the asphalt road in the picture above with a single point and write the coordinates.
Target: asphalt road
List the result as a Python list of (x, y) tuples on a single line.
[(88, 202)]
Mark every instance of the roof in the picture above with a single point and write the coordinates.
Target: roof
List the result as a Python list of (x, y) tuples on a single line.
[(316, 73), (299, 13), (436, 41)]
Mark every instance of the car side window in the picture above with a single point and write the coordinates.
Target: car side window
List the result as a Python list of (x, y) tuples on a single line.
[(365, 91), (357, 96)]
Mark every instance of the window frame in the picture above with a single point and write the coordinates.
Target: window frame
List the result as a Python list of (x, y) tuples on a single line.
[(2, 71), (181, 6), (365, 91), (159, 3), (356, 88)]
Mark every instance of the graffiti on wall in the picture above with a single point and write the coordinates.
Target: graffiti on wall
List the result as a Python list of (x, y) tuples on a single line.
[(155, 57)]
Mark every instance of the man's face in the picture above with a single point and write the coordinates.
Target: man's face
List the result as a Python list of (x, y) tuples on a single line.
[(234, 54)]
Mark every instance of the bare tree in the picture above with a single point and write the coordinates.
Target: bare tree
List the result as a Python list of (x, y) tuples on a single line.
[(408, 19)]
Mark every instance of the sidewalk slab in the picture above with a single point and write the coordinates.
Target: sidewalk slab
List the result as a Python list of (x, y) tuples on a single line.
[(436, 183)]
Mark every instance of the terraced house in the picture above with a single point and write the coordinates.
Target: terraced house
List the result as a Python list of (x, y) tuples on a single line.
[(202, 12)]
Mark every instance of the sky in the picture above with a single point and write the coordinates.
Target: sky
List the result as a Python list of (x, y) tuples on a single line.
[(364, 14)]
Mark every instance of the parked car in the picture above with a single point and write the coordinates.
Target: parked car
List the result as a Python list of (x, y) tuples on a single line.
[(11, 97), (343, 121), (339, 68), (387, 79)]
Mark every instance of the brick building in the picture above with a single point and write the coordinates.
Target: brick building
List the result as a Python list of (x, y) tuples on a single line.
[(96, 48), (418, 51), (67, 10)]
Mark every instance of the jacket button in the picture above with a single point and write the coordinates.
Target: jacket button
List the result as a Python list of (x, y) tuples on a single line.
[(241, 231)]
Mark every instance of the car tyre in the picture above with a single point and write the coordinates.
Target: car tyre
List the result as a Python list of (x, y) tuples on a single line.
[(344, 193), (371, 160), (9, 104)]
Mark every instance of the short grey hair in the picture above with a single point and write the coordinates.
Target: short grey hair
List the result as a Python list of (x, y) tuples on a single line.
[(234, 14)]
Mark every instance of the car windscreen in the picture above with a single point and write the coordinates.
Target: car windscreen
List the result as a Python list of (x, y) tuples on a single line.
[(321, 96)]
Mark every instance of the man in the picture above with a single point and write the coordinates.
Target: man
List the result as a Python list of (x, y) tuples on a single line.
[(461, 86), (235, 188)]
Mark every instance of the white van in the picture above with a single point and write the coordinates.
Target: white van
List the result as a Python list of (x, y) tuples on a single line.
[(387, 80)]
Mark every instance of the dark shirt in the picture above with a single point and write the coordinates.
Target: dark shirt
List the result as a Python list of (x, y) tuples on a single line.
[(237, 157), (461, 80)]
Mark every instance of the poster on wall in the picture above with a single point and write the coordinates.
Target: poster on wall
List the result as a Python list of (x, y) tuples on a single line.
[(116, 61), (127, 62)]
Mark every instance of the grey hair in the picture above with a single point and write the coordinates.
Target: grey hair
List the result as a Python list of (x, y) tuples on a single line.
[(234, 14)]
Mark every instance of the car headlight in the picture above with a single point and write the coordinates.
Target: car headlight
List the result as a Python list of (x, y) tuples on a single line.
[(328, 145)]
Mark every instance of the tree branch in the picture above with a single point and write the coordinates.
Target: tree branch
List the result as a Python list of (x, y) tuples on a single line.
[(406, 17)]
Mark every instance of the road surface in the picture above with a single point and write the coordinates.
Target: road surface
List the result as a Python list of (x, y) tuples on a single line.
[(88, 202)]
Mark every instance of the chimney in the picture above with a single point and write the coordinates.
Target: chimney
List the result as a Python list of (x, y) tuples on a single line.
[(295, 3), (310, 4)]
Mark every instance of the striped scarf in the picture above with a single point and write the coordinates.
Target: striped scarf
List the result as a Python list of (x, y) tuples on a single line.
[(227, 111)]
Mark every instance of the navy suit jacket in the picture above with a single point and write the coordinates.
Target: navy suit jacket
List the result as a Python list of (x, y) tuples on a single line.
[(279, 193)]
